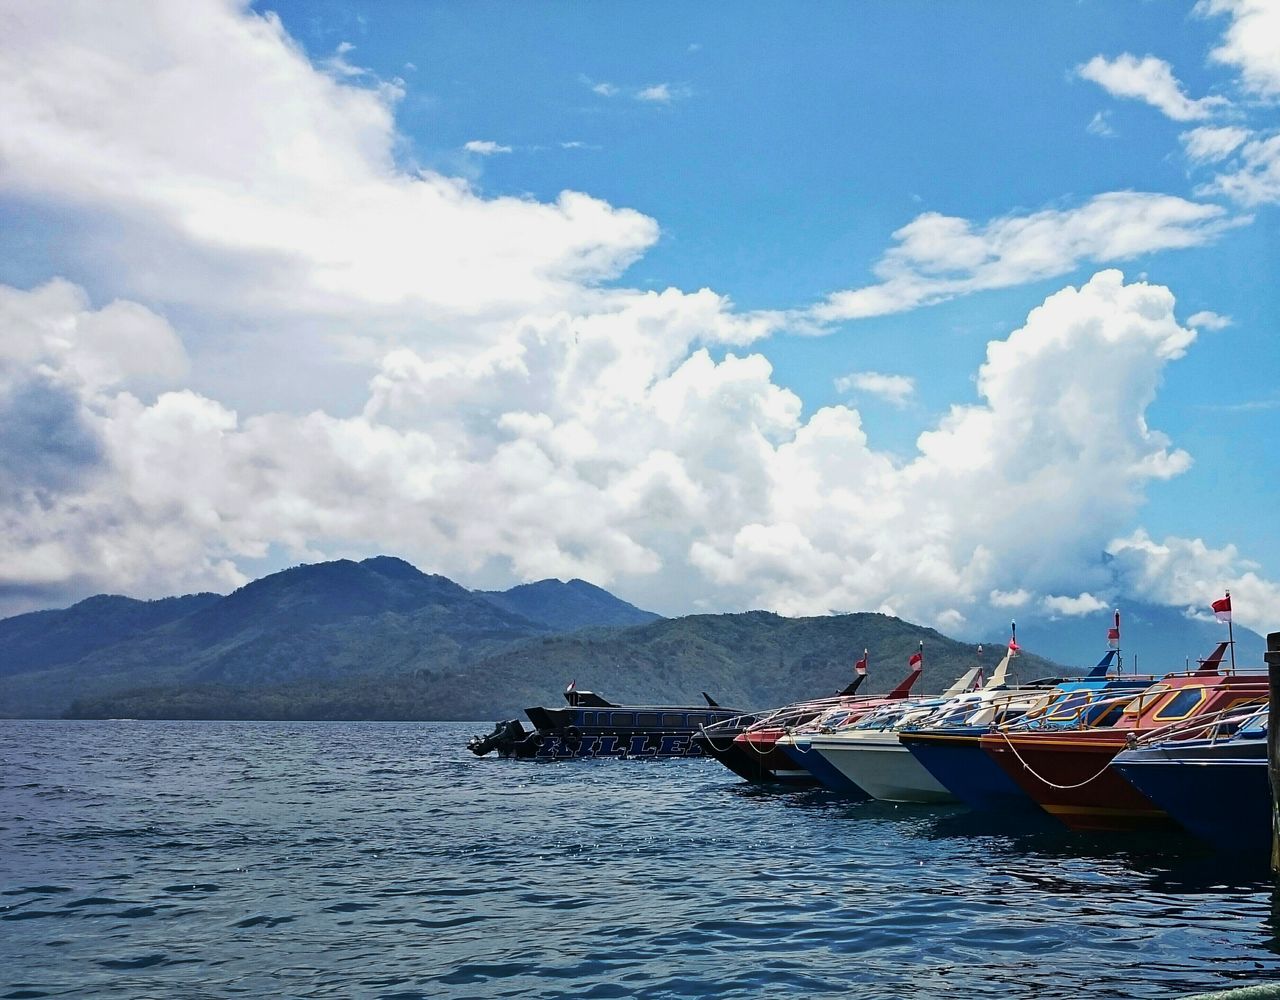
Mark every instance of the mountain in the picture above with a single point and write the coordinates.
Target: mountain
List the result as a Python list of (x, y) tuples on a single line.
[(318, 622), (751, 660), (48, 638), (566, 607), (1162, 639)]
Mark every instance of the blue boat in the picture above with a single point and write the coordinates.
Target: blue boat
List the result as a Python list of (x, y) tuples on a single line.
[(954, 754), (1210, 776)]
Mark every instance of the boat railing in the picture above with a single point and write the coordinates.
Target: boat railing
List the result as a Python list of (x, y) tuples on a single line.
[(991, 706), (1093, 710), (1211, 727)]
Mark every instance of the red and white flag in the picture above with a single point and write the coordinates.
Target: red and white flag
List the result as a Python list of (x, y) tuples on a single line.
[(916, 662), (1113, 633), (1222, 608), (861, 665)]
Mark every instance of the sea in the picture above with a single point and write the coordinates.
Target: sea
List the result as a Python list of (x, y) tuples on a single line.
[(223, 859)]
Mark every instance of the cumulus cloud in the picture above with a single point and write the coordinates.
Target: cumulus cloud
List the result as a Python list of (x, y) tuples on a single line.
[(272, 189), (525, 415), (596, 445), (1151, 80), (1187, 572), (895, 389), (1251, 42), (485, 147), (937, 257)]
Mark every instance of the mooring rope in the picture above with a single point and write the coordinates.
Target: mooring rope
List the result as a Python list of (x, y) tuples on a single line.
[(1041, 778)]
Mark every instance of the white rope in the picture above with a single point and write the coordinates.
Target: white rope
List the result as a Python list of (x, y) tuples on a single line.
[(1041, 778)]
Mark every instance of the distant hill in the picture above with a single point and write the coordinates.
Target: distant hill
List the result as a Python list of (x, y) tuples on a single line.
[(381, 639), (566, 607), (47, 638), (319, 622), (750, 660)]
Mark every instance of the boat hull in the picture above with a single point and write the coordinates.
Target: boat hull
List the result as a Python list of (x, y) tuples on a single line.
[(882, 767), (958, 762), (615, 746), (800, 750), (1070, 775), (1225, 800), (772, 763)]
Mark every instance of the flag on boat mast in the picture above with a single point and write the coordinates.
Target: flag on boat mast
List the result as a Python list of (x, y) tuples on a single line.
[(1013, 639), (1113, 633), (861, 665), (917, 659), (1222, 612)]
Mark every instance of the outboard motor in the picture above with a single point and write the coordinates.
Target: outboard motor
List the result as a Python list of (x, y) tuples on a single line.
[(504, 738)]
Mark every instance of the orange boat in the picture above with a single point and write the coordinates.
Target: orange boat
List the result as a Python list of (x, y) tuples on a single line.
[(1064, 763)]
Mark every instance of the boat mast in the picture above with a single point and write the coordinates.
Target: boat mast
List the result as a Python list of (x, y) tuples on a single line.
[(1113, 639)]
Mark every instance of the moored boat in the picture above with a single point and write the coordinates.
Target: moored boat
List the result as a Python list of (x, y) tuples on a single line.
[(753, 752), (1068, 772), (757, 759), (871, 754), (953, 753), (590, 726), (1210, 776)]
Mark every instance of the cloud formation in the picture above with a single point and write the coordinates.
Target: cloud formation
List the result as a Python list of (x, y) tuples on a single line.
[(524, 414), (485, 147), (1251, 42), (938, 257), (1151, 80), (895, 389)]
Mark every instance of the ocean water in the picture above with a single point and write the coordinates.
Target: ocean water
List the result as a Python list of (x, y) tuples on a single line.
[(145, 859)]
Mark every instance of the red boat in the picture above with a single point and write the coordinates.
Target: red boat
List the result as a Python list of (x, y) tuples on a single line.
[(753, 753), (1067, 770)]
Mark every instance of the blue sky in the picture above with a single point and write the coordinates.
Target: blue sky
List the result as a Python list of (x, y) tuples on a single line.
[(798, 144), (356, 313)]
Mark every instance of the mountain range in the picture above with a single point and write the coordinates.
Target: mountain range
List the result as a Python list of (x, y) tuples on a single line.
[(379, 639)]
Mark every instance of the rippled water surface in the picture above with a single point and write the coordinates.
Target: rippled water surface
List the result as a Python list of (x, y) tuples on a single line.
[(342, 859)]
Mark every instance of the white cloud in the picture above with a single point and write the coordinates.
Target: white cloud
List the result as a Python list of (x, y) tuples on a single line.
[(937, 257), (604, 89), (1251, 43), (895, 389), (1208, 320), (1256, 179), (526, 414), (1151, 80), (1187, 572), (238, 180), (1208, 144), (1009, 599), (596, 445), (659, 92), (1072, 607), (485, 147), (1100, 125)]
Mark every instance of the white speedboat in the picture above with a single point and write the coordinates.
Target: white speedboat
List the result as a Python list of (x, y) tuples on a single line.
[(870, 755)]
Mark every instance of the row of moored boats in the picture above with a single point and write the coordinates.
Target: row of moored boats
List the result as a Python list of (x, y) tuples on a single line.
[(1105, 751)]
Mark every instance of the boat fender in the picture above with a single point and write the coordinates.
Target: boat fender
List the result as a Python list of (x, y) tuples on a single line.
[(572, 734)]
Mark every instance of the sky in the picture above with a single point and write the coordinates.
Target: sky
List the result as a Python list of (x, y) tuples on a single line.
[(950, 311)]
